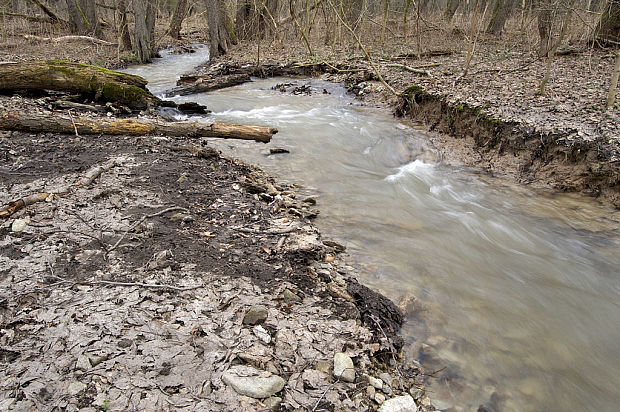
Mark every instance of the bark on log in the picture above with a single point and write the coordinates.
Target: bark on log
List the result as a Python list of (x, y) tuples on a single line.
[(45, 123), (94, 82), (207, 84)]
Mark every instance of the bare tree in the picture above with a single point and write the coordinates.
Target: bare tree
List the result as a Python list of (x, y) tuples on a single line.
[(83, 17), (608, 28), (144, 13), (219, 30), (501, 12), (178, 15), (123, 29), (613, 86)]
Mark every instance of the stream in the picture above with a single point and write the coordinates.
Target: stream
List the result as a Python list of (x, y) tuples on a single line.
[(517, 292)]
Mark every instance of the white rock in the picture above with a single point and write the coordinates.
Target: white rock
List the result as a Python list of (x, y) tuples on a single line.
[(262, 334), (18, 225), (343, 367), (403, 403), (377, 383), (251, 382), (379, 398)]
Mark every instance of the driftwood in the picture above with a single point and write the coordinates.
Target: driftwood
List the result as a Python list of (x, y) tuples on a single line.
[(68, 38), (93, 82), (201, 84), (45, 123)]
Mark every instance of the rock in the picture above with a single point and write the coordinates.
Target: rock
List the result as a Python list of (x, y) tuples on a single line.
[(178, 216), (330, 259), (387, 389), (334, 245), (416, 392), (379, 398), (370, 391), (338, 292), (376, 383), (386, 378), (404, 403), (441, 405), (273, 403), (76, 387), (96, 359), (251, 382), (82, 363), (262, 334), (343, 367), (290, 297), (18, 225), (255, 315), (206, 388)]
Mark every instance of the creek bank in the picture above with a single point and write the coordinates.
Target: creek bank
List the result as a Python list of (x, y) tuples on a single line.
[(565, 144), (144, 287)]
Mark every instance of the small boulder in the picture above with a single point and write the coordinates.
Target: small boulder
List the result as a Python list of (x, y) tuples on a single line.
[(252, 382), (403, 403), (343, 367), (290, 297), (255, 315)]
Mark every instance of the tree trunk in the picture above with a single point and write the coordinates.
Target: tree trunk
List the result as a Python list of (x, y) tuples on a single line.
[(83, 17), (144, 14), (33, 122), (608, 29), (450, 9), (544, 28), (91, 81), (180, 11), (124, 40), (501, 12), (220, 36), (613, 85), (199, 84)]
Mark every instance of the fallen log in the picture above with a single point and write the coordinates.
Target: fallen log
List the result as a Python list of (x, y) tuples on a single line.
[(68, 38), (94, 82), (45, 123), (202, 84)]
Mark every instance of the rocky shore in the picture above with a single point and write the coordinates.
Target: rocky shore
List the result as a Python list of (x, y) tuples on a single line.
[(166, 277)]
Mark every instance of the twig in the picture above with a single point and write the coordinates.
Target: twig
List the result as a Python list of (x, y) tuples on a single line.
[(73, 123), (391, 351), (409, 69), (139, 222)]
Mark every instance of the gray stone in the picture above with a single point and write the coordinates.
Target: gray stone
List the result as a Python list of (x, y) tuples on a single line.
[(262, 334), (76, 387), (385, 377), (251, 382), (343, 367), (273, 403), (206, 388), (290, 297), (82, 363), (257, 314), (379, 398), (18, 225), (387, 389), (416, 392), (404, 403), (370, 391), (377, 383)]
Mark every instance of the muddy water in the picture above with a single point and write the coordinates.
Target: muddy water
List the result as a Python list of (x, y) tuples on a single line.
[(517, 294)]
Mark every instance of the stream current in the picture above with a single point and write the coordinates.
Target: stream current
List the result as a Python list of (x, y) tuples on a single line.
[(517, 293)]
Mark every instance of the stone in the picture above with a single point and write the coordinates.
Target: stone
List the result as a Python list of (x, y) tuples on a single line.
[(416, 392), (82, 363), (441, 405), (404, 403), (207, 388), (273, 403), (387, 389), (262, 334), (18, 225), (376, 383), (76, 387), (379, 398), (248, 381), (370, 391), (386, 378), (96, 359), (343, 367), (290, 297), (255, 315)]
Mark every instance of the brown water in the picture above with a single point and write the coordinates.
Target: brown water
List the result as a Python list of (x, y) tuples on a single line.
[(517, 293)]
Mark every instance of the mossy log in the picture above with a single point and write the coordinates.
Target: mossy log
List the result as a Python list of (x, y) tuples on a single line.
[(94, 82), (45, 123)]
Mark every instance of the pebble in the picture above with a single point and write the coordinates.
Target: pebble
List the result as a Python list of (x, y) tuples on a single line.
[(290, 297), (377, 383), (255, 315), (416, 392), (379, 398), (82, 363), (387, 389), (262, 334), (386, 378), (404, 403), (370, 391), (343, 367), (18, 225), (249, 381)]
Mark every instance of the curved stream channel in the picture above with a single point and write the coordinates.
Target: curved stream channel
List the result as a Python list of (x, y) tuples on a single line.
[(517, 293)]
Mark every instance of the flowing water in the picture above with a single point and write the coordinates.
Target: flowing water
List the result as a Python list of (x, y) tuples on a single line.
[(517, 293)]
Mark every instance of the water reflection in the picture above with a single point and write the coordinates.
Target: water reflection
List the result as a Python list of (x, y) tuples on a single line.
[(517, 293)]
